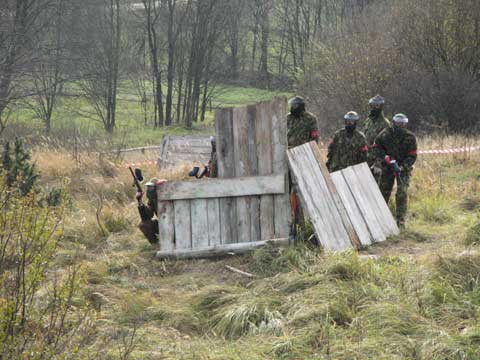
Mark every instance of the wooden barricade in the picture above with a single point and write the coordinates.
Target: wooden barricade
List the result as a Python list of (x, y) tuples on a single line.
[(192, 149), (248, 204)]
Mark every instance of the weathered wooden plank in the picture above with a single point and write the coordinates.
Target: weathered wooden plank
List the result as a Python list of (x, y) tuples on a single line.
[(317, 199), (228, 218), (241, 159), (336, 198), (226, 169), (225, 155), (380, 206), (217, 188), (213, 210), (282, 213), (183, 234), (253, 202), (352, 208), (199, 215), (166, 225), (364, 204), (219, 250), (263, 137)]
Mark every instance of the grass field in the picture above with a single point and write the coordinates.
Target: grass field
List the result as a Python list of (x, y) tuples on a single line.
[(416, 296)]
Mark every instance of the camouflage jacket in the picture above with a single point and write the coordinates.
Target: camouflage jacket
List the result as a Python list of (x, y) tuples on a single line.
[(373, 126), (346, 150), (302, 129), (399, 143)]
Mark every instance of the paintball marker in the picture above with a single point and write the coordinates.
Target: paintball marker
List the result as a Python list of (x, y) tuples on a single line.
[(196, 169), (137, 178), (396, 169)]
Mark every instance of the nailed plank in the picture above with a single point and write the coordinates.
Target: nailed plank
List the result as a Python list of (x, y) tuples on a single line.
[(219, 250), (228, 218), (336, 198), (224, 130), (253, 202), (353, 211), (263, 136), (241, 159), (213, 214), (364, 204), (199, 215), (166, 226), (317, 200), (225, 158), (183, 235), (282, 214), (217, 188), (379, 205)]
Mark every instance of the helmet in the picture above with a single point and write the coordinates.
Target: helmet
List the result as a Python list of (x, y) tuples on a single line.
[(297, 100), (377, 100), (213, 140), (400, 118), (352, 116)]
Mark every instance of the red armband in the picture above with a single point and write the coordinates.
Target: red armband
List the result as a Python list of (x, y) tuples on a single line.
[(364, 148), (314, 134), (330, 142)]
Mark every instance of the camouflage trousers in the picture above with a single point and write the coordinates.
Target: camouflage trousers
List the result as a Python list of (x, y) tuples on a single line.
[(386, 183), (149, 228)]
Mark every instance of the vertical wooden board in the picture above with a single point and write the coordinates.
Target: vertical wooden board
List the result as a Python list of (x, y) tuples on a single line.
[(353, 211), (241, 165), (183, 234), (228, 219), (364, 204), (282, 214), (224, 130), (199, 215), (381, 208), (328, 202), (334, 194), (252, 169), (263, 135), (213, 214), (317, 199), (166, 226)]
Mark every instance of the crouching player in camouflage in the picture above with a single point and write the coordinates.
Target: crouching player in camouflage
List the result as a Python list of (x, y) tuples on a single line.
[(149, 226), (348, 146), (395, 152)]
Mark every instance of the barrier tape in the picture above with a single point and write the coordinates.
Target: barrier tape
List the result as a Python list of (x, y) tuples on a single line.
[(420, 152)]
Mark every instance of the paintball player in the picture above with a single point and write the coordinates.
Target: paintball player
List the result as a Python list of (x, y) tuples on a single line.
[(302, 127), (348, 146), (149, 226), (374, 125), (395, 152)]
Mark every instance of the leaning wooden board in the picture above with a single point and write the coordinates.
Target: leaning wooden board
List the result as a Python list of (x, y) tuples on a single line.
[(346, 207)]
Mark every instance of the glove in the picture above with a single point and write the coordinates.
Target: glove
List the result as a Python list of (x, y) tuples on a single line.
[(139, 196)]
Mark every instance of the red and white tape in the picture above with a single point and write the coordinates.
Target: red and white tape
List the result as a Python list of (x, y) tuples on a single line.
[(450, 151)]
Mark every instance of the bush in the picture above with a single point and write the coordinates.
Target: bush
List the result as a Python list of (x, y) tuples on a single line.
[(472, 236)]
